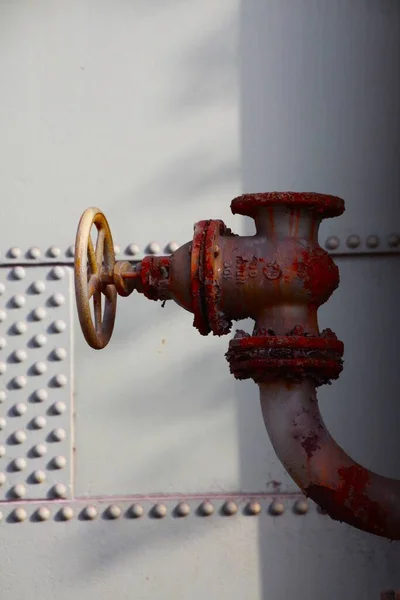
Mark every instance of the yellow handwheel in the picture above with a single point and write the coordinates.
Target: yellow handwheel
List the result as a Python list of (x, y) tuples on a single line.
[(94, 268)]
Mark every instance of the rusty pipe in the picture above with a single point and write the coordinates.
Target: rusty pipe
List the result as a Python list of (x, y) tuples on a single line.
[(321, 468)]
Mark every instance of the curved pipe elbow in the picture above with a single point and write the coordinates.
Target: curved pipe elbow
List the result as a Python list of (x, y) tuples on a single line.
[(319, 466)]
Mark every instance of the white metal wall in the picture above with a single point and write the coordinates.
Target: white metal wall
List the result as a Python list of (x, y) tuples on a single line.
[(160, 113)]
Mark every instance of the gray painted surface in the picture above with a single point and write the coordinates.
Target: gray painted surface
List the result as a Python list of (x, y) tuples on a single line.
[(155, 113)]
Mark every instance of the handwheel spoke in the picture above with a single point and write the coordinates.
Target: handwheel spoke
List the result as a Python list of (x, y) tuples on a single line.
[(92, 256), (100, 247), (93, 285), (97, 310), (108, 292)]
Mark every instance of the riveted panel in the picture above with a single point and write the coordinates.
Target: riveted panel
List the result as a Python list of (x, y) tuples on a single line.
[(35, 382)]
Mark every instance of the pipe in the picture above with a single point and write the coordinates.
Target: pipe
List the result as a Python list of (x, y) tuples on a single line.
[(344, 489)]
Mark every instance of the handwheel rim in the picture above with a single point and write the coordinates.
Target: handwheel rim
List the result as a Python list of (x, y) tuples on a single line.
[(99, 333)]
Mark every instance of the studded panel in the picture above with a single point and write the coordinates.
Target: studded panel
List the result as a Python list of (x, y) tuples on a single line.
[(35, 382)]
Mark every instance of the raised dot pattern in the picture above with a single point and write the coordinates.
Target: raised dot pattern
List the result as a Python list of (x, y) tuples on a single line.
[(34, 380)]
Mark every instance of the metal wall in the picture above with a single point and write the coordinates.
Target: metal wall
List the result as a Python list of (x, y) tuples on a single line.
[(144, 470)]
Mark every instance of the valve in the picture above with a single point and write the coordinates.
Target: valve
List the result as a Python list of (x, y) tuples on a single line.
[(278, 277)]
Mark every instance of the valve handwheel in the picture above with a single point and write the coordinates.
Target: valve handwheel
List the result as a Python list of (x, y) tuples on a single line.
[(94, 278)]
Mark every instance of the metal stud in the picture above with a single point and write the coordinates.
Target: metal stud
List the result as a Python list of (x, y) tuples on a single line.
[(117, 249), (276, 508), (132, 250), (19, 436), (300, 507), (33, 252), (159, 511), (70, 251), (3, 343), (59, 380), (39, 450), (43, 513), (229, 508), (2, 451), (393, 240), (38, 476), (39, 313), (59, 462), (59, 490), (372, 241), (3, 396), (3, 368), (58, 408), (3, 478), (57, 299), (19, 355), (57, 273), (18, 272), (136, 511), (38, 287), (353, 241), (18, 300), (2, 288), (19, 515), (58, 434), (113, 512), (183, 509), (206, 508), (19, 409), (332, 243), (53, 252), (39, 368), (89, 513), (153, 248), (66, 513), (39, 422), (40, 395), (3, 315), (58, 326), (18, 490), (39, 340), (3, 423), (14, 252), (20, 327), (59, 354), (19, 382), (19, 464), (171, 247)]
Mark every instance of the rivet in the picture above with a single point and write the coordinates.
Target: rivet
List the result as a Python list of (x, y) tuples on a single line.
[(59, 490), (38, 287), (332, 243), (57, 272), (39, 476), (20, 327), (58, 434), (3, 423), (66, 513), (159, 511), (393, 240), (59, 407), (1, 516), (18, 300), (89, 513), (59, 354), (206, 508), (117, 249), (3, 368), (132, 249), (39, 368), (53, 252), (58, 326), (59, 380), (39, 422), (19, 464), (19, 382), (372, 241), (43, 513), (19, 355), (40, 395), (19, 515), (183, 509), (57, 299), (172, 247), (3, 343), (113, 512), (70, 251), (14, 252), (353, 241), (2, 451), (19, 436), (2, 288), (3, 315), (3, 396), (39, 340), (136, 511), (39, 313), (3, 478), (39, 450), (300, 507), (276, 508), (153, 248), (18, 272), (59, 462), (18, 490), (229, 508), (19, 409), (33, 252)]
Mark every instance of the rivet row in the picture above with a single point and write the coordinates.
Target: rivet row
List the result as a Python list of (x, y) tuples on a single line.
[(372, 242)]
